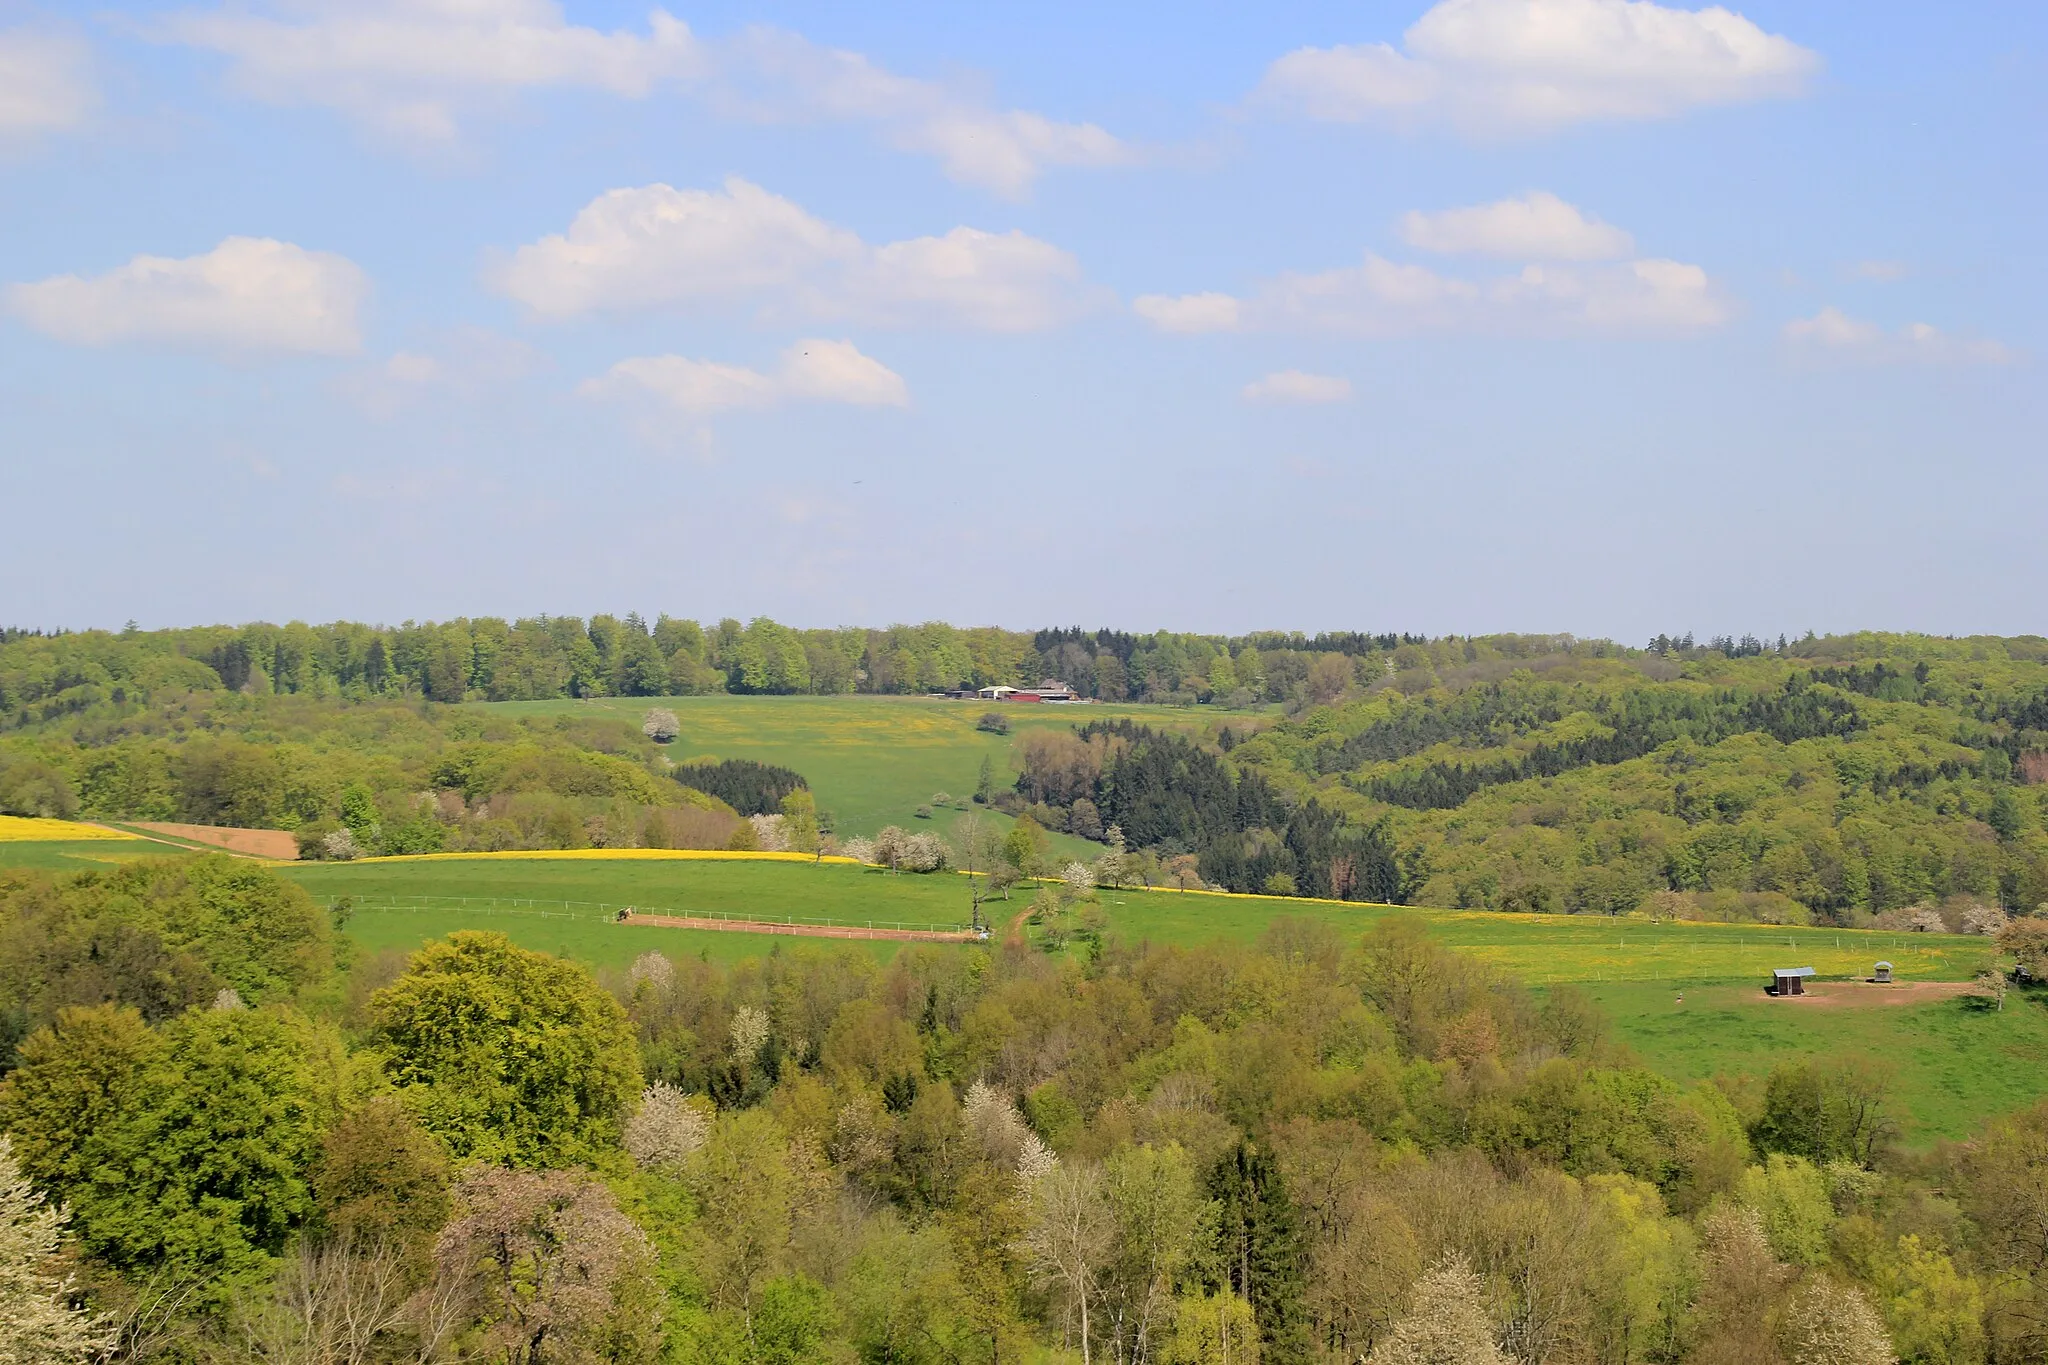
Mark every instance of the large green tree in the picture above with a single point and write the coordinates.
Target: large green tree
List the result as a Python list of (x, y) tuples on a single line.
[(508, 1056), (186, 1147)]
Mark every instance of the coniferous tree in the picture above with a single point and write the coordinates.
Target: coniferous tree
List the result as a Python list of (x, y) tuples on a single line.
[(1260, 1241)]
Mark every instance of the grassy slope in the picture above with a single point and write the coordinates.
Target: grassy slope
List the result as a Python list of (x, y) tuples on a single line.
[(871, 760), (1958, 1062)]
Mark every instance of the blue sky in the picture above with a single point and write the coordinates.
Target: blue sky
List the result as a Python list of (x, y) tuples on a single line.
[(1585, 315)]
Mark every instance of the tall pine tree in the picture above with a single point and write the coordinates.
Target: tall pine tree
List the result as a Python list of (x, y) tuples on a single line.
[(1261, 1249)]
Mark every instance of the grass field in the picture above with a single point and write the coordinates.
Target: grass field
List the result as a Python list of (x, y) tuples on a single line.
[(872, 761), (1957, 1061)]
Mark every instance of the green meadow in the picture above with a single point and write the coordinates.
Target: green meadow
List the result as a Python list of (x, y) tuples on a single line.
[(872, 761), (1957, 1061)]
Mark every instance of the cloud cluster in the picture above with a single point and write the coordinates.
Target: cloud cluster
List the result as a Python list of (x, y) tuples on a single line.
[(1836, 335), (45, 82), (1517, 66), (814, 370), (248, 293), (657, 247), (1298, 386), (1536, 227), (1382, 298), (417, 68)]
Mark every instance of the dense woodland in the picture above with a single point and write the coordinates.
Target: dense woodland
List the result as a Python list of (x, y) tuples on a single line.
[(1844, 780), (269, 1148)]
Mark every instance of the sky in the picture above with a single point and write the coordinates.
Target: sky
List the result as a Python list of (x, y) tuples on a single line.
[(1599, 316)]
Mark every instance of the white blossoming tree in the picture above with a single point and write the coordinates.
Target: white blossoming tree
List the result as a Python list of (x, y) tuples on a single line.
[(36, 1324)]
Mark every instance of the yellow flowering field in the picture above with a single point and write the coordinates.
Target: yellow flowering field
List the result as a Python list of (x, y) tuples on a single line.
[(21, 829)]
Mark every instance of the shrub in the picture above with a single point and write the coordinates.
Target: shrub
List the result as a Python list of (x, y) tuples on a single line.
[(993, 722)]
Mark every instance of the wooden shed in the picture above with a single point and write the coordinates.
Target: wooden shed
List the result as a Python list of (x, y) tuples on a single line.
[(1789, 980)]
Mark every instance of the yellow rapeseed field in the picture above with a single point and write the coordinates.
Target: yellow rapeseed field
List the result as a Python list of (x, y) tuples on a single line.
[(18, 829)]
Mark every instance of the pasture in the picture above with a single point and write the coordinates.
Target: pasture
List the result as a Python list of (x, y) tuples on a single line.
[(871, 761), (1955, 1060)]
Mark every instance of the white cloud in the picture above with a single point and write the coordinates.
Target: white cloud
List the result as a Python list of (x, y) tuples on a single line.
[(656, 247), (411, 67), (1381, 298), (45, 81), (1297, 386), (813, 370), (1833, 333), (1511, 66), (464, 362), (1189, 313), (247, 293), (770, 75), (1885, 272), (836, 372), (416, 68), (1536, 227)]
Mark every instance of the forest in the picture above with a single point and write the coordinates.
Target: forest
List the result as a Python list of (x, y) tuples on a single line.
[(1854, 780), (231, 1136)]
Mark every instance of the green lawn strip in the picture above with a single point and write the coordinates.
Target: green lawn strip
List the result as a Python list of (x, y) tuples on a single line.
[(872, 761), (78, 855), (1546, 948), (745, 890), (1957, 1062), (592, 941)]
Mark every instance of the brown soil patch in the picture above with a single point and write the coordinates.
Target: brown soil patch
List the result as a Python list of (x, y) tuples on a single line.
[(740, 926), (254, 843), (1860, 994)]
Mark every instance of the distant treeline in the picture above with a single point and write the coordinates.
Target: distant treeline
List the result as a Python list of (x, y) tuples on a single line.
[(47, 675)]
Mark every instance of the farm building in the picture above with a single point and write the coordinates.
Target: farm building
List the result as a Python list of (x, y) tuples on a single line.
[(1883, 974), (996, 693), (1049, 690), (1789, 980)]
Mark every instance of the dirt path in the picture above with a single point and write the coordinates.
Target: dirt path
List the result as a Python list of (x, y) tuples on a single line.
[(1864, 994), (252, 843), (803, 930)]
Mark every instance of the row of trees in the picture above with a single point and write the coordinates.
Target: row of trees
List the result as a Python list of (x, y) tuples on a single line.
[(1308, 1151), (43, 676)]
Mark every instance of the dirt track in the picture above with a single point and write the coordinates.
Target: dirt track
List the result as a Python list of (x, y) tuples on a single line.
[(255, 843), (1864, 994), (803, 930)]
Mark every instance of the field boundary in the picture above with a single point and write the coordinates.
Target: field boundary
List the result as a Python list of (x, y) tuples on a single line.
[(605, 912), (702, 855)]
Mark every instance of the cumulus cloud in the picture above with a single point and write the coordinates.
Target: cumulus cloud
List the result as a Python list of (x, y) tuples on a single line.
[(1510, 66), (1536, 227), (45, 81), (814, 370), (1833, 333), (657, 247), (1298, 386), (1382, 298), (248, 293), (416, 68)]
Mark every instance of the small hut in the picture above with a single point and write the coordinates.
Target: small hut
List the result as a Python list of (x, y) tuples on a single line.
[(1789, 980), (1883, 975)]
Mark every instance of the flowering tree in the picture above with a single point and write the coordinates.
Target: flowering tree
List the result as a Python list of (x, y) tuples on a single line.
[(667, 1128), (661, 725), (1447, 1323), (36, 1322)]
